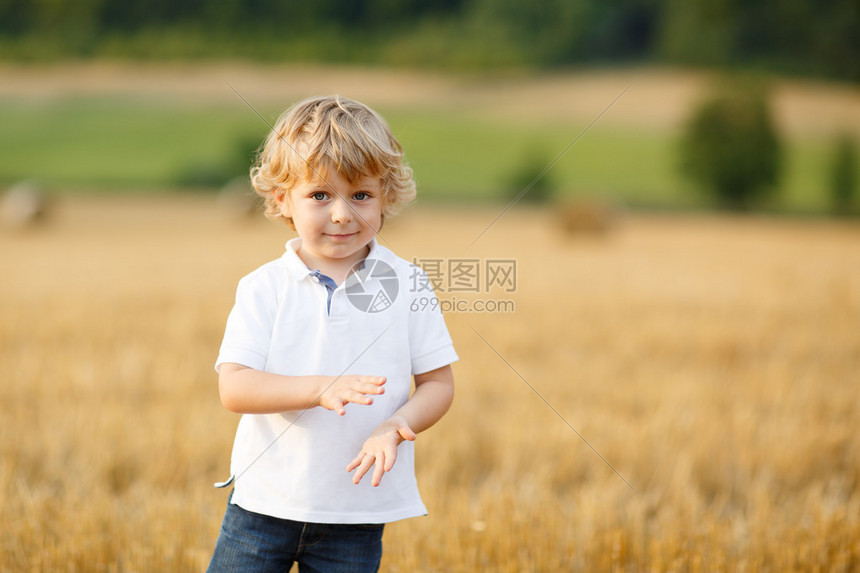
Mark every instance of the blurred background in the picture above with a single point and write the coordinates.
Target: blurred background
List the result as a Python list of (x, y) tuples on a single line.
[(686, 297), (135, 95)]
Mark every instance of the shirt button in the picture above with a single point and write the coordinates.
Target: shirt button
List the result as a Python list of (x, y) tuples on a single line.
[(316, 278)]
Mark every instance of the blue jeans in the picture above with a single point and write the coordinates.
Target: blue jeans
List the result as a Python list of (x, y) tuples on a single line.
[(250, 542)]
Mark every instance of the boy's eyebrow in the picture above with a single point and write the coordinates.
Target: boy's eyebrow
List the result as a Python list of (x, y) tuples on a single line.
[(365, 184), (328, 189)]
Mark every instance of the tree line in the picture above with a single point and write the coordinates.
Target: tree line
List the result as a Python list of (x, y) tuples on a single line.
[(789, 36)]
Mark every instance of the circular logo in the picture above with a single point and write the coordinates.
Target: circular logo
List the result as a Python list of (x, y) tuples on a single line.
[(372, 286)]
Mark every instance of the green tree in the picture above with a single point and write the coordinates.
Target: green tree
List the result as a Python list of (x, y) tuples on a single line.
[(697, 32), (731, 147)]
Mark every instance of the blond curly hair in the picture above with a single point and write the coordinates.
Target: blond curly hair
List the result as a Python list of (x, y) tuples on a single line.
[(331, 132)]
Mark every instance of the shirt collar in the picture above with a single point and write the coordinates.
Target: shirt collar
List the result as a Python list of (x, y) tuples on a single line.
[(299, 270)]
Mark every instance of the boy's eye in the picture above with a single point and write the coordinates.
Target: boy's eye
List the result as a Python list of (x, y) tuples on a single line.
[(319, 196), (361, 196)]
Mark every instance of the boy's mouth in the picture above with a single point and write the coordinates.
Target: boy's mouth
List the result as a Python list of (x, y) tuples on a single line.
[(341, 236)]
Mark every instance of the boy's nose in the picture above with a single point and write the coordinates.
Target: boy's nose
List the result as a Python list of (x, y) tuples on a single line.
[(341, 211)]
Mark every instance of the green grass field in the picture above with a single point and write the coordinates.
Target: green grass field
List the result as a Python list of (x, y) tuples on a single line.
[(133, 144)]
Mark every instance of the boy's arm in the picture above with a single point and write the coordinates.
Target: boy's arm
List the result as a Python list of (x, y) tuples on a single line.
[(434, 392), (247, 391)]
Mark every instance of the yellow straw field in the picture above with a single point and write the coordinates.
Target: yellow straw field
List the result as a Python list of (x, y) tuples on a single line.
[(679, 394)]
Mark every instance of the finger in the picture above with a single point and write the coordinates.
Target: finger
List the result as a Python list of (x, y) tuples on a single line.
[(370, 385), (355, 462), (406, 433), (362, 469), (390, 457), (357, 397), (378, 471)]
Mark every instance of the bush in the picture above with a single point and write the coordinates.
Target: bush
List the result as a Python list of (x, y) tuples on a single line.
[(731, 147), (532, 181), (843, 175)]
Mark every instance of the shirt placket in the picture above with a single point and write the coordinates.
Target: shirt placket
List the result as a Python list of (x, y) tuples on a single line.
[(334, 296)]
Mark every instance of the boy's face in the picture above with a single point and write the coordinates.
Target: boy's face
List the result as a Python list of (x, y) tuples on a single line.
[(334, 218)]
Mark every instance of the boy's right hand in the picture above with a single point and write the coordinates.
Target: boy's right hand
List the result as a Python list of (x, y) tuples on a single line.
[(339, 391)]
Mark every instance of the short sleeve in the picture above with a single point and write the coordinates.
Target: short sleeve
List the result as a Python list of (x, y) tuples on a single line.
[(248, 333), (430, 343)]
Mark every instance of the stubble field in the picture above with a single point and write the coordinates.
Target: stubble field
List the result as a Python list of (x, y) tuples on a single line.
[(712, 361)]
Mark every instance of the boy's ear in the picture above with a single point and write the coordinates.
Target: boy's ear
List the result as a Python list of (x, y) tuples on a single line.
[(282, 200)]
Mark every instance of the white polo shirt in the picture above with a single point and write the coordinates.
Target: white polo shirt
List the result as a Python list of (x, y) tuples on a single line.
[(292, 465)]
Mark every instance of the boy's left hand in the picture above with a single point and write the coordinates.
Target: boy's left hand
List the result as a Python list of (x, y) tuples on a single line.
[(381, 449)]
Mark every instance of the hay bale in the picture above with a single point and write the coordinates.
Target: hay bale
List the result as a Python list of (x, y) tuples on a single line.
[(24, 204), (586, 216)]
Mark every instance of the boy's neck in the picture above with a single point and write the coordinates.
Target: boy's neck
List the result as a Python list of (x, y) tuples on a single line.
[(336, 269)]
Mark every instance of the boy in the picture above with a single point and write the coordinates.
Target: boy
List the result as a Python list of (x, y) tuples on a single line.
[(319, 350)]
